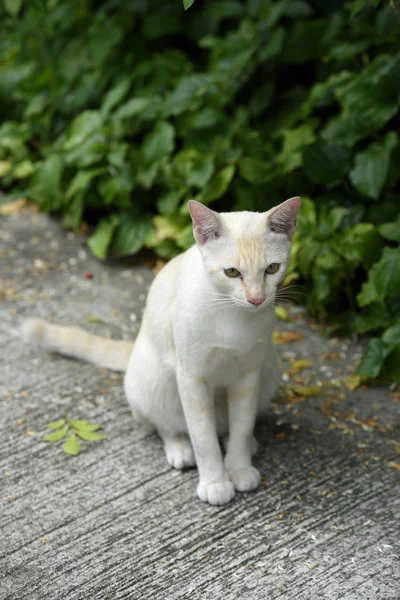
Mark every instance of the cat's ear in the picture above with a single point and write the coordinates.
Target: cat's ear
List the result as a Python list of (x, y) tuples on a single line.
[(282, 219), (206, 223)]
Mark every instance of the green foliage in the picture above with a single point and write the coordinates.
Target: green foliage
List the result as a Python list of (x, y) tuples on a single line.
[(74, 429), (119, 113)]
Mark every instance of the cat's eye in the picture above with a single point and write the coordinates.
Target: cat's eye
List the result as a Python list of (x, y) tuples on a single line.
[(272, 268), (232, 272)]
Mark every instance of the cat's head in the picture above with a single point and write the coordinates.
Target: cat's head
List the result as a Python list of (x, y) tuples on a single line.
[(245, 254)]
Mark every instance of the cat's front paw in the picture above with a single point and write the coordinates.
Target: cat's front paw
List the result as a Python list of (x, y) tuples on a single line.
[(246, 479), (217, 492)]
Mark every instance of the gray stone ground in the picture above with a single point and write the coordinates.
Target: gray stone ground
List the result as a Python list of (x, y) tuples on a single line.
[(116, 522)]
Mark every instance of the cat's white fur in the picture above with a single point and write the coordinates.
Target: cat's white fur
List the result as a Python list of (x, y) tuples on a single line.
[(203, 365)]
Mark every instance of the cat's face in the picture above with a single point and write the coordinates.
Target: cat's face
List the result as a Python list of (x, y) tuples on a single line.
[(245, 254)]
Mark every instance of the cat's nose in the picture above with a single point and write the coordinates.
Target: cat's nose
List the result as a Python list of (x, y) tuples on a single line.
[(256, 301)]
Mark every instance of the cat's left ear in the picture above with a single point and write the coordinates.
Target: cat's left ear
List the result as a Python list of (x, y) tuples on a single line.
[(207, 225), (282, 218)]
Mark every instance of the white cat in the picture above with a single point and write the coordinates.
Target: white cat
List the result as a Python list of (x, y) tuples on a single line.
[(203, 365)]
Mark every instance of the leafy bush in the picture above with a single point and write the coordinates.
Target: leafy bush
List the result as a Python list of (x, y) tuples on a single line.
[(119, 112)]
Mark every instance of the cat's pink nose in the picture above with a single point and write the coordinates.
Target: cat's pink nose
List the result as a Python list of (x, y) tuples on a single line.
[(256, 301)]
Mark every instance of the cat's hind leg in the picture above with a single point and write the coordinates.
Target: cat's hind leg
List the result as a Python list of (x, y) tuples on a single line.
[(178, 450)]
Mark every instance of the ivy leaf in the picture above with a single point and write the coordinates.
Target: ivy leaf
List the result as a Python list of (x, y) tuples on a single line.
[(358, 5), (131, 108), (294, 141), (360, 244), (159, 143), (72, 445), (84, 125), (217, 185), (131, 233), (372, 317), (56, 436), (391, 337), (81, 181), (12, 6), (114, 96), (188, 94), (99, 241), (55, 424), (391, 231), (372, 166), (46, 186), (255, 171), (373, 359), (187, 4), (384, 279), (325, 163), (84, 434)]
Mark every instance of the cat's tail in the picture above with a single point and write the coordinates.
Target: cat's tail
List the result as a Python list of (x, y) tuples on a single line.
[(75, 342)]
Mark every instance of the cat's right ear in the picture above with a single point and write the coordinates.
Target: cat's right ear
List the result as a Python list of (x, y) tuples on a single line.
[(206, 223)]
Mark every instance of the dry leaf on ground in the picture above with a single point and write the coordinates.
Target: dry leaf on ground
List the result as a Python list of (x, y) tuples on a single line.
[(299, 365), (354, 381), (286, 337), (304, 390), (15, 207)]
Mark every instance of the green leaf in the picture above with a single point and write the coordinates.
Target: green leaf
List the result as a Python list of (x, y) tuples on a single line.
[(369, 100), (40, 5), (5, 167), (357, 6), (23, 169), (335, 217), (88, 427), (72, 445), (373, 359), (372, 167), (132, 108), (78, 422), (187, 4), (84, 125), (55, 424), (325, 163), (168, 203), (188, 94), (360, 244), (218, 184), (372, 317), (105, 34), (131, 233), (159, 143), (384, 279), (81, 181), (391, 231), (84, 434), (185, 238), (274, 45), (12, 6), (200, 171), (306, 219), (56, 436), (391, 367), (391, 337), (46, 186), (294, 140), (100, 240), (114, 96), (306, 256), (255, 171)]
